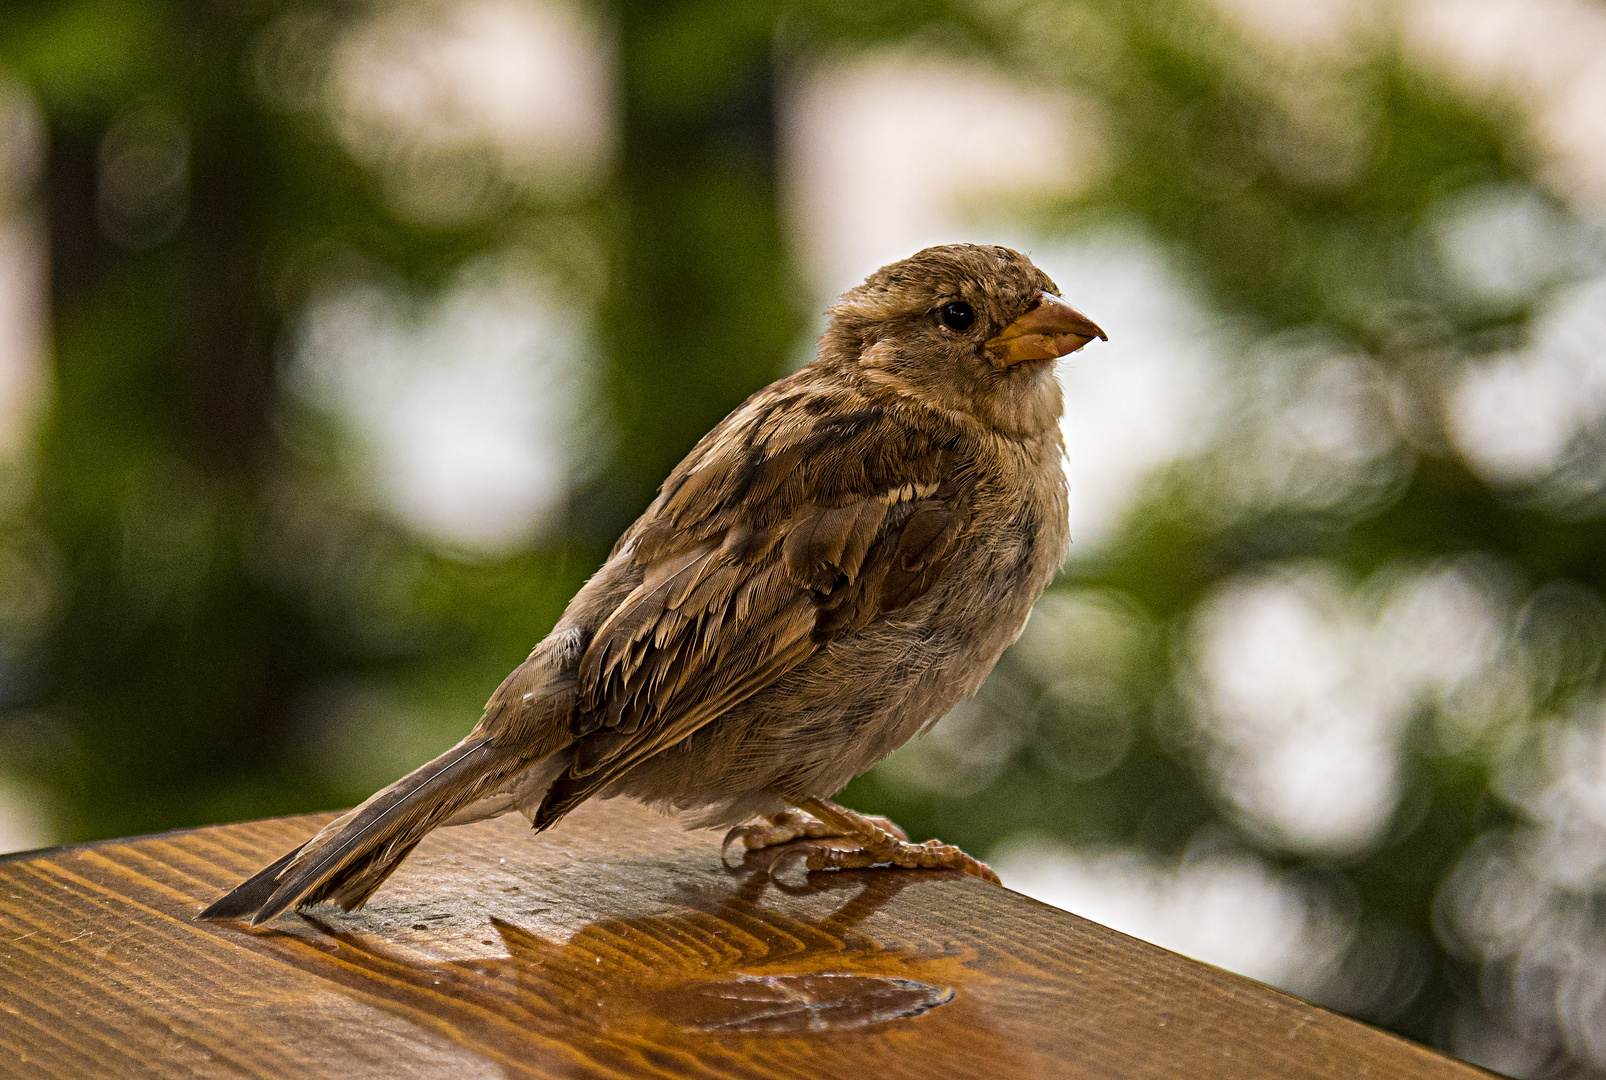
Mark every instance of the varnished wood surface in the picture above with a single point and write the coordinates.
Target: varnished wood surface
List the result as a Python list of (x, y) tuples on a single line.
[(614, 946)]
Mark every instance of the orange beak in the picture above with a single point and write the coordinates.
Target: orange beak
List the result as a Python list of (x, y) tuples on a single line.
[(1050, 330)]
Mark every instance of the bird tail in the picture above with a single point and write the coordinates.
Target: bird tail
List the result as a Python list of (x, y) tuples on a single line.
[(354, 854)]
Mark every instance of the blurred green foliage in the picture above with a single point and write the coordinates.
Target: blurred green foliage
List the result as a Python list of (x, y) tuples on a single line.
[(214, 568)]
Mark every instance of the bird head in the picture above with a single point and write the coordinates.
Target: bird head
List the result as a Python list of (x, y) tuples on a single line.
[(961, 328)]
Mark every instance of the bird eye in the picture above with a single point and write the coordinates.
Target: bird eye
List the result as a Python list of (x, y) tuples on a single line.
[(957, 315)]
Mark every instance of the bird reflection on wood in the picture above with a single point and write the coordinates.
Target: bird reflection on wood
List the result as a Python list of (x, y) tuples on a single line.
[(827, 572)]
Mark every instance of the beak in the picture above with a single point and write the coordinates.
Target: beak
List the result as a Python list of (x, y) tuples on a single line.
[(1050, 330)]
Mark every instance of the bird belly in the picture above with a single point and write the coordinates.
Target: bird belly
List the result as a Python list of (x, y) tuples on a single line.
[(853, 702)]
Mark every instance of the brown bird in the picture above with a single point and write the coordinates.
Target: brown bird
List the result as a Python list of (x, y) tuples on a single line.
[(827, 572)]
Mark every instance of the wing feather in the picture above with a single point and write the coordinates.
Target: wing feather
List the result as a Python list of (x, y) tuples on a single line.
[(741, 580)]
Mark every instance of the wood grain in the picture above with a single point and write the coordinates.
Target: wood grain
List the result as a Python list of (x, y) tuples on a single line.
[(614, 946)]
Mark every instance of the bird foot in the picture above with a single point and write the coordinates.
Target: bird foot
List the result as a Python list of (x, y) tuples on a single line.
[(872, 841), (794, 866), (790, 825)]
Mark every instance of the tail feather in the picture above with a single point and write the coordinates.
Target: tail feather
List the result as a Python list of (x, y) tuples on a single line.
[(248, 897), (354, 854)]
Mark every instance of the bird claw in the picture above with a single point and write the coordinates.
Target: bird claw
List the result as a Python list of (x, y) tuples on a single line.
[(738, 833), (935, 855), (773, 831), (872, 841), (792, 867)]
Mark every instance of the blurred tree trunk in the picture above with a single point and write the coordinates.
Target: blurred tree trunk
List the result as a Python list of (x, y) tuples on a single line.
[(699, 312), (170, 669)]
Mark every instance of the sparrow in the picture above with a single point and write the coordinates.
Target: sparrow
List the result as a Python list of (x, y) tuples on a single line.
[(826, 574)]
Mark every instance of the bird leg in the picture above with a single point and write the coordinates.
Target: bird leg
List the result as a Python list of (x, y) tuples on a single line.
[(877, 841)]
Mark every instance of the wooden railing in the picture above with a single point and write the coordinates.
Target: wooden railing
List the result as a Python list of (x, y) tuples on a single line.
[(616, 945)]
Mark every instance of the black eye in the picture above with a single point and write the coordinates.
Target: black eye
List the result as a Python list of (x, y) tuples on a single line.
[(957, 315)]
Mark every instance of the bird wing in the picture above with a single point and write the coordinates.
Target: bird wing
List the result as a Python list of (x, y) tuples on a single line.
[(774, 538)]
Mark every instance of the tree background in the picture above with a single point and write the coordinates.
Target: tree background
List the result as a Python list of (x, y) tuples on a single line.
[(367, 332)]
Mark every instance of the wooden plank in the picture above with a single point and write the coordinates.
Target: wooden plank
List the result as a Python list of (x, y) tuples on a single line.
[(616, 945)]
